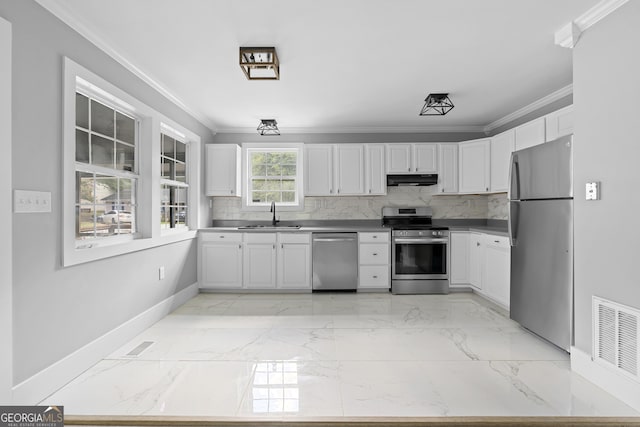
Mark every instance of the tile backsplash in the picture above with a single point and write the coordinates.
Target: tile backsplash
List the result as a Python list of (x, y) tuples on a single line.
[(370, 207)]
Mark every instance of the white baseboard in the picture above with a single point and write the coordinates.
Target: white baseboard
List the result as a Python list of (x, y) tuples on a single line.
[(614, 383), (47, 381)]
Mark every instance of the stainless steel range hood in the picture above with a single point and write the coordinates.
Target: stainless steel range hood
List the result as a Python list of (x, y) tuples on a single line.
[(412, 180)]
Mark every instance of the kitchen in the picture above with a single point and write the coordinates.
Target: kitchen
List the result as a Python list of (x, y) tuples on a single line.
[(36, 237)]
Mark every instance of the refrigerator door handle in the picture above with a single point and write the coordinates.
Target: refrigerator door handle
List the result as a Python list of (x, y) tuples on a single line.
[(514, 178), (512, 221)]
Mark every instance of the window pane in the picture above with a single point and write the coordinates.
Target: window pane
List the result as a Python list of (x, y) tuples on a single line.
[(82, 111), (82, 146), (102, 119), (288, 196), (258, 169), (85, 189), (167, 168), (181, 196), (181, 151), (168, 146), (288, 170), (273, 185), (125, 156), (289, 185), (181, 172), (258, 184), (125, 128), (273, 170), (101, 151)]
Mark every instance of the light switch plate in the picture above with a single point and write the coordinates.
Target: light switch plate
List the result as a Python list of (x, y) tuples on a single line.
[(593, 190), (25, 201)]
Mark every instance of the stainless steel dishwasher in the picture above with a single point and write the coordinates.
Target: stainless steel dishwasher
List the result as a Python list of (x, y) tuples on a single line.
[(335, 261)]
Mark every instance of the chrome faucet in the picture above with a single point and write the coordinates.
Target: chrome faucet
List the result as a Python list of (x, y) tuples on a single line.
[(273, 209)]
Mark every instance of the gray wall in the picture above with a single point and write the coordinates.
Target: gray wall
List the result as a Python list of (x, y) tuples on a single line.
[(606, 87), (58, 310)]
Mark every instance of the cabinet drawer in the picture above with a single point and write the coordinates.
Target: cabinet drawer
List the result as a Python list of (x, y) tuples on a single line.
[(259, 237), (373, 237), (294, 238), (373, 253), (373, 276), (500, 241), (221, 237)]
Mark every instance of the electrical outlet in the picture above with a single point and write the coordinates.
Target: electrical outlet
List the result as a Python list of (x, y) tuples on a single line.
[(25, 201), (592, 190), (161, 273)]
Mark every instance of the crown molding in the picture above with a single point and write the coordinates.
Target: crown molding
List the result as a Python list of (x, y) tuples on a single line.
[(63, 13), (568, 35), (536, 105), (394, 129)]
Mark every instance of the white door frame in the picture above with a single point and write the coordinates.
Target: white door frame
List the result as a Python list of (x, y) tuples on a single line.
[(6, 250)]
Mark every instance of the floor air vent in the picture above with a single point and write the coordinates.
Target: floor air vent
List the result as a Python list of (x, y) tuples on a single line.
[(139, 349), (617, 339)]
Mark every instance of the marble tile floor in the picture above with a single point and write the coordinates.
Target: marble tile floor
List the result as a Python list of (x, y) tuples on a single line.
[(336, 355)]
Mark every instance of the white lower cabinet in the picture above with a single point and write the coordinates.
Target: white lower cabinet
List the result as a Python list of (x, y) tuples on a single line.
[(482, 261), (459, 242), (294, 261), (254, 261), (373, 260), (475, 259), (497, 268), (259, 261), (220, 260)]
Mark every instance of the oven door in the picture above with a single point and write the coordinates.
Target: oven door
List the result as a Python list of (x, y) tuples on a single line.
[(419, 258)]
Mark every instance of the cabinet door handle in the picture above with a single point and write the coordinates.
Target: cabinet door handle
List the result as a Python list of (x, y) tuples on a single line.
[(497, 241), (486, 189), (221, 237), (375, 277), (281, 245), (338, 191), (369, 191), (409, 170), (477, 243), (375, 254), (375, 237), (231, 191), (274, 246), (239, 246)]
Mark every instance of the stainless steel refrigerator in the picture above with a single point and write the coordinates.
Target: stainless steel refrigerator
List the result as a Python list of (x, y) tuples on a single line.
[(541, 233)]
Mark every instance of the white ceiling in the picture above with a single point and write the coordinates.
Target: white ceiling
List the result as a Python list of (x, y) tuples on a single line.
[(346, 65)]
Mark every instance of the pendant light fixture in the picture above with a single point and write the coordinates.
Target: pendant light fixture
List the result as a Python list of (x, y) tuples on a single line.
[(436, 104), (260, 63), (268, 127)]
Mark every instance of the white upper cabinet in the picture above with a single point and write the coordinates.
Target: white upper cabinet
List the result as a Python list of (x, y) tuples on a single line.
[(559, 123), (502, 146), (398, 158), (530, 134), (425, 158), (222, 170), (318, 169), (412, 158), (448, 169), (474, 163), (350, 169), (375, 176)]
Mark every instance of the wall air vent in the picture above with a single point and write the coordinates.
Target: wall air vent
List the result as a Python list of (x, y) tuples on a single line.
[(617, 336)]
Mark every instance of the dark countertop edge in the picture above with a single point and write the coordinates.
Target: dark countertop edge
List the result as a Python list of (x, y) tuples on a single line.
[(489, 226)]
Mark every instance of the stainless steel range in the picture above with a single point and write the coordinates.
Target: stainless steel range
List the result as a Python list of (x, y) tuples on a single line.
[(419, 251)]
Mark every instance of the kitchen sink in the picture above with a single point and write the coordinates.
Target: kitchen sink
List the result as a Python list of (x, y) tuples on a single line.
[(268, 227)]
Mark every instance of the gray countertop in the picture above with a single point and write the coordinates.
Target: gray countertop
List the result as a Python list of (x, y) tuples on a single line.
[(489, 226)]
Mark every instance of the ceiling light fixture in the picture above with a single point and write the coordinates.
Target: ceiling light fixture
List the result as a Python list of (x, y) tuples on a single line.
[(268, 127), (436, 104), (260, 63)]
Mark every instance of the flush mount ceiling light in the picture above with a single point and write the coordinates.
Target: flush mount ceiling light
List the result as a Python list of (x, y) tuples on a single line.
[(436, 104), (268, 127), (260, 63)]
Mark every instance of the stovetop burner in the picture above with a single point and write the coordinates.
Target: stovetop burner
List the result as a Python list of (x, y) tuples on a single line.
[(409, 218)]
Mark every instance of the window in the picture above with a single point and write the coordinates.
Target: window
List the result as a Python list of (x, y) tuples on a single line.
[(174, 183), (274, 175), (122, 162), (106, 178)]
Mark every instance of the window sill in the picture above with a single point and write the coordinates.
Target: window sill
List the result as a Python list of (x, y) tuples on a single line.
[(81, 256)]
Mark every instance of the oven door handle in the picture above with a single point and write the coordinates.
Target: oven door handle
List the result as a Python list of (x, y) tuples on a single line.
[(421, 240)]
